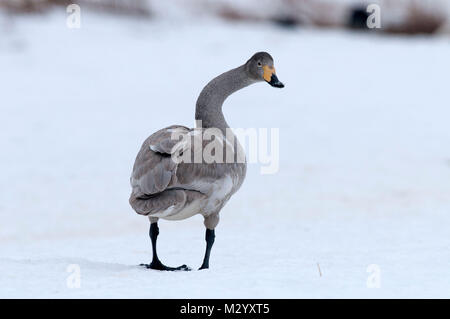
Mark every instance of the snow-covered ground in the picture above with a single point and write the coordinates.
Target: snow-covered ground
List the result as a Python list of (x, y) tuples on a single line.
[(364, 173)]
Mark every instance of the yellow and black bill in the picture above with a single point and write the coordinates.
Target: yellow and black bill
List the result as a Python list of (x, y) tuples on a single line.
[(271, 78)]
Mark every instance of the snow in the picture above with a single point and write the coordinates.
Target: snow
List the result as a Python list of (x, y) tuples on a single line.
[(364, 174)]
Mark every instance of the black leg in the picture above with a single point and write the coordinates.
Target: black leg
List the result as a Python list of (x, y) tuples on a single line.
[(209, 237), (156, 263)]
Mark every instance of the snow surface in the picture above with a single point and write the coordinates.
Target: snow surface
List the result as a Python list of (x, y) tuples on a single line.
[(364, 160)]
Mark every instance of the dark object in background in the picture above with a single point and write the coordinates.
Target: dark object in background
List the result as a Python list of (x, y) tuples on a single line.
[(358, 18), (286, 22)]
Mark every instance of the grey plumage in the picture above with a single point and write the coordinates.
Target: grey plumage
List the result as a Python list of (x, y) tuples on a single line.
[(163, 188)]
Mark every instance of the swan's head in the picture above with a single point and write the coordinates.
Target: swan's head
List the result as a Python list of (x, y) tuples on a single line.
[(260, 68)]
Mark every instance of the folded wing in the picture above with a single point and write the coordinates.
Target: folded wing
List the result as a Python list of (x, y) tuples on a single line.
[(154, 167)]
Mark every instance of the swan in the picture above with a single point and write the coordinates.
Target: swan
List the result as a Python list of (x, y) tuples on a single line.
[(168, 183)]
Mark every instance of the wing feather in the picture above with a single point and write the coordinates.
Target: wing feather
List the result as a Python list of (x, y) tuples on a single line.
[(154, 168)]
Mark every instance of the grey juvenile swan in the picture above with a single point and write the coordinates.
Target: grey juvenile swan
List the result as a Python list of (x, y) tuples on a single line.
[(163, 187)]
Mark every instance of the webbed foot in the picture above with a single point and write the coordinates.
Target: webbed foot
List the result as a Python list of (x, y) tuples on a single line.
[(160, 266)]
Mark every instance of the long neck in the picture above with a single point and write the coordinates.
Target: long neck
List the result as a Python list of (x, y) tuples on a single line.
[(210, 101)]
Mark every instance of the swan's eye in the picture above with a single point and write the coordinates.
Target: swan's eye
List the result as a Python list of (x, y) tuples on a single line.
[(259, 63)]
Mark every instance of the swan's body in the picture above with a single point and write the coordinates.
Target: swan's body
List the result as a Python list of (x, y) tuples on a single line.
[(165, 187)]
